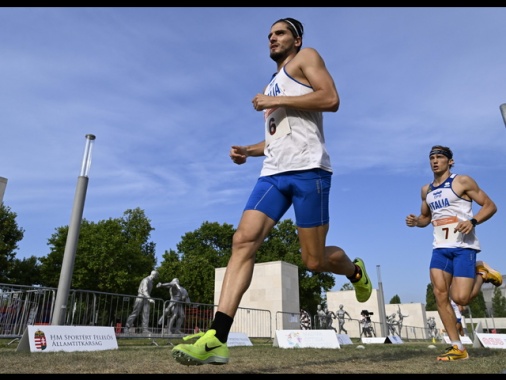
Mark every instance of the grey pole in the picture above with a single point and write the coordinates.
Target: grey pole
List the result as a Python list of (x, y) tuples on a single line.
[(472, 324), (3, 185), (67, 268), (381, 304), (502, 107)]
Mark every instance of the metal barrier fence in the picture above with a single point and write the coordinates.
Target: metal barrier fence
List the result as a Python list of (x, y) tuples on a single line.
[(21, 306), (287, 321), (356, 328), (25, 305)]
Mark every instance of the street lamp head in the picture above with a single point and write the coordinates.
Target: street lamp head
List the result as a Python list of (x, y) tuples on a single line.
[(502, 107)]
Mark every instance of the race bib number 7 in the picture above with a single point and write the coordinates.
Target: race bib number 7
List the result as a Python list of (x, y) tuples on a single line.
[(276, 124), (444, 230)]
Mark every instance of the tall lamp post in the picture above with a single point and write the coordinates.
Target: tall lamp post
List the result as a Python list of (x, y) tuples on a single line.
[(3, 185), (67, 268), (381, 305)]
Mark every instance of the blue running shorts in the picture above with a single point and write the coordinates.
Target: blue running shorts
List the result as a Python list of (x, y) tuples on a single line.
[(307, 190), (460, 262)]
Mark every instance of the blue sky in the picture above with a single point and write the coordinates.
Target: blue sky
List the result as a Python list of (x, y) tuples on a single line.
[(167, 91)]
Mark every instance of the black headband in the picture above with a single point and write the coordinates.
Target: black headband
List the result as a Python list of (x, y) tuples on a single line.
[(441, 151)]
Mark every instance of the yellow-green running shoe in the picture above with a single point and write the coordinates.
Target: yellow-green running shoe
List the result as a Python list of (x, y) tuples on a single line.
[(453, 353), (363, 287), (206, 350)]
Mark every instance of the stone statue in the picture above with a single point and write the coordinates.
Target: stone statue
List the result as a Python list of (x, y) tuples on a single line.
[(142, 303), (330, 316), (175, 310), (322, 317), (392, 324), (341, 313), (431, 324), (401, 318)]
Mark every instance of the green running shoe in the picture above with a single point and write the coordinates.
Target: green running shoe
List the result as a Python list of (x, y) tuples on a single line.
[(206, 350), (363, 287)]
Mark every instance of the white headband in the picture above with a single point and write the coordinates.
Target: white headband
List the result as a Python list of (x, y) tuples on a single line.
[(293, 26)]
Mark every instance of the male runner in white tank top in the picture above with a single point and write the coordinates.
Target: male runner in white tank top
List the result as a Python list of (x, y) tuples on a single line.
[(458, 315), (296, 172), (454, 271)]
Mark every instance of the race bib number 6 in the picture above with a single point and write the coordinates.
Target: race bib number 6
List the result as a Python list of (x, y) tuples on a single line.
[(444, 230), (276, 124)]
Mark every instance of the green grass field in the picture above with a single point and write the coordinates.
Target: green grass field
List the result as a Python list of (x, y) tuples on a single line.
[(145, 356)]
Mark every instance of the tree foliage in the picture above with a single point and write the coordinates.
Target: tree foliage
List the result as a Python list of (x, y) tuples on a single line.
[(112, 255), (498, 303), (430, 299), (25, 272), (210, 247), (10, 235), (395, 299), (476, 307), (282, 244), (198, 254)]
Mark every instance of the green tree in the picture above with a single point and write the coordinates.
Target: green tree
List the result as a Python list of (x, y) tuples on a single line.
[(210, 246), (198, 254), (430, 299), (347, 286), (395, 299), (282, 244), (112, 255), (477, 306), (195, 274), (10, 235), (25, 272), (498, 303)]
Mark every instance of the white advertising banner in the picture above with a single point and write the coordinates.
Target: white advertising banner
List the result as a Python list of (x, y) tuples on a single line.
[(238, 339), (464, 339), (373, 340), (394, 339), (492, 340), (306, 338), (50, 338), (343, 339)]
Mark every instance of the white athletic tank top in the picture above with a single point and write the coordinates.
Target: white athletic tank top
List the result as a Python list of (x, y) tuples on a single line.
[(447, 210), (456, 310), (294, 139)]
